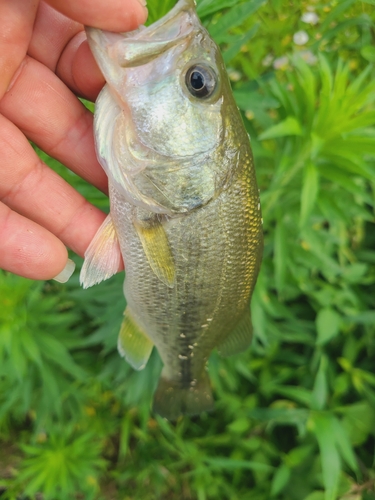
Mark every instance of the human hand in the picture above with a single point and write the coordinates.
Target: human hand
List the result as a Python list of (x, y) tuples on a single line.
[(44, 62)]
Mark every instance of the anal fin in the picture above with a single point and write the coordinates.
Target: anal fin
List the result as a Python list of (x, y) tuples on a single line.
[(157, 249), (102, 257), (133, 343), (239, 339)]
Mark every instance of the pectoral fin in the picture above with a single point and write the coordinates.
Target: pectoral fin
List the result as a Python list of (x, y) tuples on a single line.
[(158, 251), (240, 339), (102, 257), (133, 344)]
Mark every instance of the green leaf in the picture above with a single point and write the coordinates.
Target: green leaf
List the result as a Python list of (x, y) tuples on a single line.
[(247, 99), (356, 272), (330, 458), (126, 425), (307, 85), (300, 394), (235, 47), (327, 325), (298, 455), (345, 180), (280, 480), (320, 390), (368, 52), (344, 445), (326, 77), (240, 425), (235, 16), (289, 126), (363, 318), (358, 422), (316, 495), (309, 193), (158, 10), (232, 464), (209, 7), (280, 255), (337, 11)]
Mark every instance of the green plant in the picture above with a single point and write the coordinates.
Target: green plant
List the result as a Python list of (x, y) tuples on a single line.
[(295, 415)]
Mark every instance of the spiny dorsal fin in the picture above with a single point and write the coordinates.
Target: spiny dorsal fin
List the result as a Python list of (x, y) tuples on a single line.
[(157, 249), (102, 257), (133, 344), (239, 339)]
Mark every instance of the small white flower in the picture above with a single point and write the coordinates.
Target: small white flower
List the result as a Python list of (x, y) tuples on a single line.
[(310, 18), (234, 75), (267, 61), (300, 38), (281, 62), (309, 57)]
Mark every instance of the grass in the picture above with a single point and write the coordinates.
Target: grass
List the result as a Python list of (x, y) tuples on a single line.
[(295, 414)]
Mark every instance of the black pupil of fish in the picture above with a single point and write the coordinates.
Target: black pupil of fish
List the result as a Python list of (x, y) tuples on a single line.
[(201, 81), (197, 80)]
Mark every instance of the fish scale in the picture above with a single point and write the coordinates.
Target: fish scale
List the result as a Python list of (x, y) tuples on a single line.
[(185, 207), (205, 253)]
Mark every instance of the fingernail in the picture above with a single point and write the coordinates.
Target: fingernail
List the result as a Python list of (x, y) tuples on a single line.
[(142, 2), (66, 272)]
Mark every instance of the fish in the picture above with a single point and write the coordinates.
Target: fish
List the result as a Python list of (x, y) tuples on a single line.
[(184, 203)]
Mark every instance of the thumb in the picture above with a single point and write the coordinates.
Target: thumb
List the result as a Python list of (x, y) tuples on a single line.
[(112, 15)]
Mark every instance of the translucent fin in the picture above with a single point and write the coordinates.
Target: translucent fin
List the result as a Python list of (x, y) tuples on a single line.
[(133, 344), (239, 340), (158, 252), (102, 257), (171, 401)]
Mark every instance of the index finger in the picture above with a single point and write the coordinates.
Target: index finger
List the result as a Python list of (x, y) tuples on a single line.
[(112, 15)]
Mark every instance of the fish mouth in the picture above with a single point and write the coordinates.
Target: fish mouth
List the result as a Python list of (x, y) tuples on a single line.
[(140, 46), (184, 10)]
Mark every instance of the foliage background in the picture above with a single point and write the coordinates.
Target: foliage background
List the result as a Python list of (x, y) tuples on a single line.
[(295, 415)]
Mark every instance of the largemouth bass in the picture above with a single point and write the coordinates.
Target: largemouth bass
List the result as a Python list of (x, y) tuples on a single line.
[(184, 202)]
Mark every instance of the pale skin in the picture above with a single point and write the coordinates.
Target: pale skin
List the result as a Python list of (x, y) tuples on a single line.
[(45, 63)]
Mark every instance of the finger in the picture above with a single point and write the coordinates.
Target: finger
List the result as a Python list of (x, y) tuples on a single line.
[(78, 69), (33, 190), (60, 44), (17, 18), (112, 15), (50, 115), (28, 249), (51, 33)]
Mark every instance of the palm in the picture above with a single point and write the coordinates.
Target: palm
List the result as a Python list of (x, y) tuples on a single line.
[(45, 62)]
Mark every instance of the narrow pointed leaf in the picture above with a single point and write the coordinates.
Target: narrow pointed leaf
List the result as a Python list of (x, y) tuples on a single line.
[(330, 458), (327, 325), (289, 126), (309, 192)]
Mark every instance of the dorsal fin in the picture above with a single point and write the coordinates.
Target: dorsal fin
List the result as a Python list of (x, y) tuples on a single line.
[(239, 339)]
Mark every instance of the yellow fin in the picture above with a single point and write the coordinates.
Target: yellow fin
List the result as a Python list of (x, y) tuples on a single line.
[(239, 339), (158, 252), (133, 344)]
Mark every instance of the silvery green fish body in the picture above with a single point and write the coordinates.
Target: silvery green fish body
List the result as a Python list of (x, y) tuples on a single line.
[(184, 202)]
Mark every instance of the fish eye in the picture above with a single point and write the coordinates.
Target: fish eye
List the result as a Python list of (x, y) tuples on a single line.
[(201, 81)]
